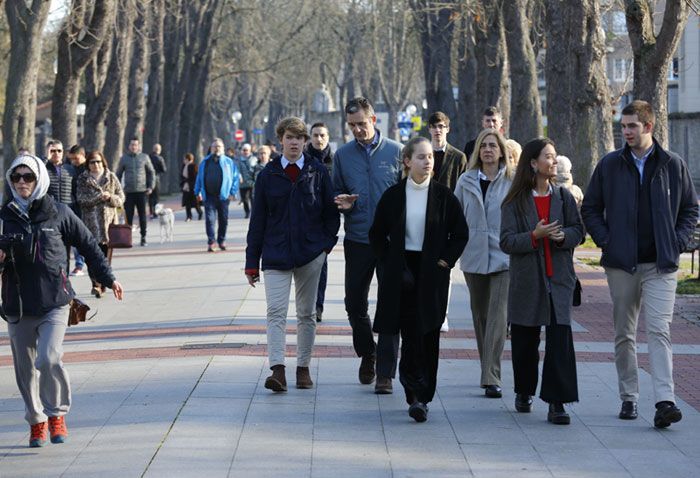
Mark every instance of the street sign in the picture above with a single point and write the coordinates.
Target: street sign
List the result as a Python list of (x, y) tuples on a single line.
[(405, 124), (239, 135), (258, 131), (417, 123)]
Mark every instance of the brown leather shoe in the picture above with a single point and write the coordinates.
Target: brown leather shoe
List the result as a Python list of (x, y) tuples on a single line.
[(366, 372), (383, 386), (304, 378), (277, 381)]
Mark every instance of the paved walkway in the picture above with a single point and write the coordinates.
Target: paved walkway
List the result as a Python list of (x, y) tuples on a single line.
[(170, 383)]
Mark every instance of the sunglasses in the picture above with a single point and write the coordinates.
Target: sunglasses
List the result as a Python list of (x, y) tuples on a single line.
[(95, 162), (55, 151), (28, 177)]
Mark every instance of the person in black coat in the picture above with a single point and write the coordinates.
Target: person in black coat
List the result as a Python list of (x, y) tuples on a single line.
[(36, 292), (187, 180), (418, 233)]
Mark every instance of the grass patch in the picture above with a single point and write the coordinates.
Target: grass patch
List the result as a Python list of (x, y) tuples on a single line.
[(688, 285), (588, 243), (589, 261)]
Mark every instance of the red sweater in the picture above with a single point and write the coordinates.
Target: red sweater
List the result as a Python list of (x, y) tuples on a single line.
[(542, 204)]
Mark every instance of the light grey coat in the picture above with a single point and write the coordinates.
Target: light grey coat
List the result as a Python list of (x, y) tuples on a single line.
[(483, 254), (528, 298), (136, 170)]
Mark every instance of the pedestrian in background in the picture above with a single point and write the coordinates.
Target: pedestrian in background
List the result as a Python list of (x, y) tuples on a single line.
[(100, 196), (187, 180), (540, 227), (36, 293), (160, 168), (418, 233), (566, 180), (216, 184), (293, 228), (138, 176), (246, 163), (481, 191)]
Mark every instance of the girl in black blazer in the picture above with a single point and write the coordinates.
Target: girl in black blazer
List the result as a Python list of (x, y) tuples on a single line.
[(418, 233)]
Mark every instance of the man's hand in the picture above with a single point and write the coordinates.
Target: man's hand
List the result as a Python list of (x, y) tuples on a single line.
[(252, 278), (117, 289), (3, 256), (345, 201), (149, 191), (199, 197)]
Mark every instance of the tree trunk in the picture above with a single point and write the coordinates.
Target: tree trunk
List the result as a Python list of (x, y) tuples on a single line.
[(491, 61), (579, 112), (467, 122), (136, 111), (525, 113), (26, 25), (98, 91), (653, 54), (117, 114), (154, 105), (79, 41), (435, 22)]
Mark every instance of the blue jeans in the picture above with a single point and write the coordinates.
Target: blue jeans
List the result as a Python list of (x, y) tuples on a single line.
[(215, 208), (79, 260)]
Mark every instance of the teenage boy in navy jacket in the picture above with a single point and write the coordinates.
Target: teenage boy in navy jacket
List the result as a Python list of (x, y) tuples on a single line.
[(293, 226)]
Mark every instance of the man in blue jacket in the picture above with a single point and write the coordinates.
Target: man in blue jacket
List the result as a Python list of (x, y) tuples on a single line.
[(293, 226), (216, 184), (362, 170), (641, 209)]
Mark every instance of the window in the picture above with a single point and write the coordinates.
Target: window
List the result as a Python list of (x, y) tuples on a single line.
[(673, 69), (619, 23), (622, 69)]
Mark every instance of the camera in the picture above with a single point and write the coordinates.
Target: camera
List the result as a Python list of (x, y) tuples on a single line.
[(17, 243)]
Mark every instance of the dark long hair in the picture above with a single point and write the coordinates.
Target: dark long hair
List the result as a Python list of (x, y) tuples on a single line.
[(525, 177)]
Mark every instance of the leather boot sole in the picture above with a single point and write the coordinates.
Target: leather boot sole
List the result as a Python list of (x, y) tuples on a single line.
[(275, 385)]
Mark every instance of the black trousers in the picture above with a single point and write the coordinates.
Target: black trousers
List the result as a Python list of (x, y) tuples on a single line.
[(139, 201), (154, 197), (559, 383), (246, 198), (360, 264), (420, 352)]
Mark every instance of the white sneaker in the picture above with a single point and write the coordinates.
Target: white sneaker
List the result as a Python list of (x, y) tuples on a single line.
[(445, 326), (77, 272)]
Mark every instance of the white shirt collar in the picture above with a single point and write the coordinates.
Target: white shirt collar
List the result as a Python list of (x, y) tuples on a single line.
[(549, 191), (299, 162)]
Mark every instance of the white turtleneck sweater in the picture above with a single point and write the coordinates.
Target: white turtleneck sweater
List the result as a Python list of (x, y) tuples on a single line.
[(416, 207)]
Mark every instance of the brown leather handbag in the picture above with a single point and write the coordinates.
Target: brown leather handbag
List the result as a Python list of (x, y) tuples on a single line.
[(119, 236), (78, 312)]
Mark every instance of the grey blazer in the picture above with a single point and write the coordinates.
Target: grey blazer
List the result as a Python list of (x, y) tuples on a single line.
[(530, 289)]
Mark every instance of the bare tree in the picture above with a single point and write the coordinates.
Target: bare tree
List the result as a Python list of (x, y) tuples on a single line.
[(525, 113), (653, 54), (154, 105), (435, 20), (82, 35), (98, 90), (466, 123), (395, 53), (578, 99), (136, 109), (26, 23)]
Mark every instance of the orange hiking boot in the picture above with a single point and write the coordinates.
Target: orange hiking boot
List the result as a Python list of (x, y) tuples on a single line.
[(57, 427), (38, 434)]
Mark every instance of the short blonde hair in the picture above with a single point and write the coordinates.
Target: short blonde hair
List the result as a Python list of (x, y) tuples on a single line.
[(475, 159)]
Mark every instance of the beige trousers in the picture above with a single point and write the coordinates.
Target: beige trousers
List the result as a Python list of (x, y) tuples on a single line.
[(488, 295), (277, 288), (657, 292)]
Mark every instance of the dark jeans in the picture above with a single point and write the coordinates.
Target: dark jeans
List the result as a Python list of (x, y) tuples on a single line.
[(105, 251), (246, 197), (154, 197), (559, 383), (419, 352), (322, 282), (360, 263), (138, 200), (215, 208)]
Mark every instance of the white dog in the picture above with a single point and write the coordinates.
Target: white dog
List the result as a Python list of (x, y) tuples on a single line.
[(166, 218)]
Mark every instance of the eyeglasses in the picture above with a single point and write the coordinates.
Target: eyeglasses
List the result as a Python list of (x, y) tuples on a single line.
[(55, 151), (27, 177), (438, 126), (95, 162)]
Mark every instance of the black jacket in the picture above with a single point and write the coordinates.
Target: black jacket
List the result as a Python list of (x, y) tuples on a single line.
[(43, 279), (446, 235), (609, 209)]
